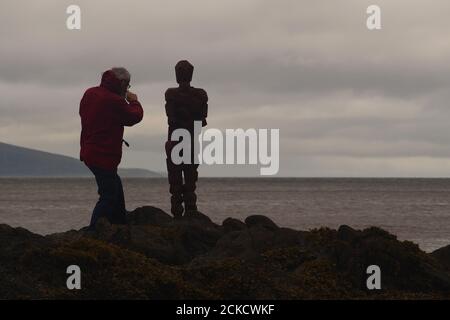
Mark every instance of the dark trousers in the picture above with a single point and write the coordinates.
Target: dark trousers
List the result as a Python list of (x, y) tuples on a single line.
[(182, 191), (111, 203)]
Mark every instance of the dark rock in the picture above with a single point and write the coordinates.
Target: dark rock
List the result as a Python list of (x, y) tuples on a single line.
[(149, 216), (347, 233), (285, 237), (262, 237), (158, 236), (197, 216), (234, 244), (158, 257), (15, 241), (158, 243), (443, 256), (104, 229), (404, 266), (248, 243), (197, 240), (231, 224), (259, 220)]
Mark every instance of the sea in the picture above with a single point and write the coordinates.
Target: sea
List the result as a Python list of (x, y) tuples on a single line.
[(417, 210)]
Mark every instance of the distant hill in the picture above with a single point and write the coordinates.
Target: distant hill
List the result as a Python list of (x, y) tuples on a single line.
[(23, 162)]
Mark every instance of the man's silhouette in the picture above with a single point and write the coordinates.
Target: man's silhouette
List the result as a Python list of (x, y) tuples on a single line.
[(184, 105), (104, 112)]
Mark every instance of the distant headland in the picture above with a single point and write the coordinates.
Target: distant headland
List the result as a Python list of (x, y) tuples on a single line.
[(17, 161)]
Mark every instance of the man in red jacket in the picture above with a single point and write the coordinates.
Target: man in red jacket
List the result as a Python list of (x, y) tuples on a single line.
[(104, 111)]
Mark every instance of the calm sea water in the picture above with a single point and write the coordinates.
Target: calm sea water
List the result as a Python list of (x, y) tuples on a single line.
[(413, 209)]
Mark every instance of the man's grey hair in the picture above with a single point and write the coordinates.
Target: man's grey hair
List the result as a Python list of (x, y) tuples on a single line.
[(121, 73)]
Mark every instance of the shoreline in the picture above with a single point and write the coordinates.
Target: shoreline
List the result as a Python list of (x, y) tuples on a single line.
[(157, 257)]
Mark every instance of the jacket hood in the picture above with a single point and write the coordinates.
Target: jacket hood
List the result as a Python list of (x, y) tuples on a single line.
[(110, 82)]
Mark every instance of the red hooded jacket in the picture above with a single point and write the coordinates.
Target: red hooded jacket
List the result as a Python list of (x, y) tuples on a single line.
[(104, 113)]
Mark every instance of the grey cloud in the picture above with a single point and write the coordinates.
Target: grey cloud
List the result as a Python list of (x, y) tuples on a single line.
[(338, 93)]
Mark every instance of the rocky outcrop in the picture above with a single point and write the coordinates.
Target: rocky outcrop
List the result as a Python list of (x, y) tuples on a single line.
[(443, 256), (158, 257)]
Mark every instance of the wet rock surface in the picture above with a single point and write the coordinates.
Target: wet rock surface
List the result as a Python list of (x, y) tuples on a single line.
[(158, 257)]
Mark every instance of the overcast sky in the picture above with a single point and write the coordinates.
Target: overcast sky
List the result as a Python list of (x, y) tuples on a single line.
[(348, 101)]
